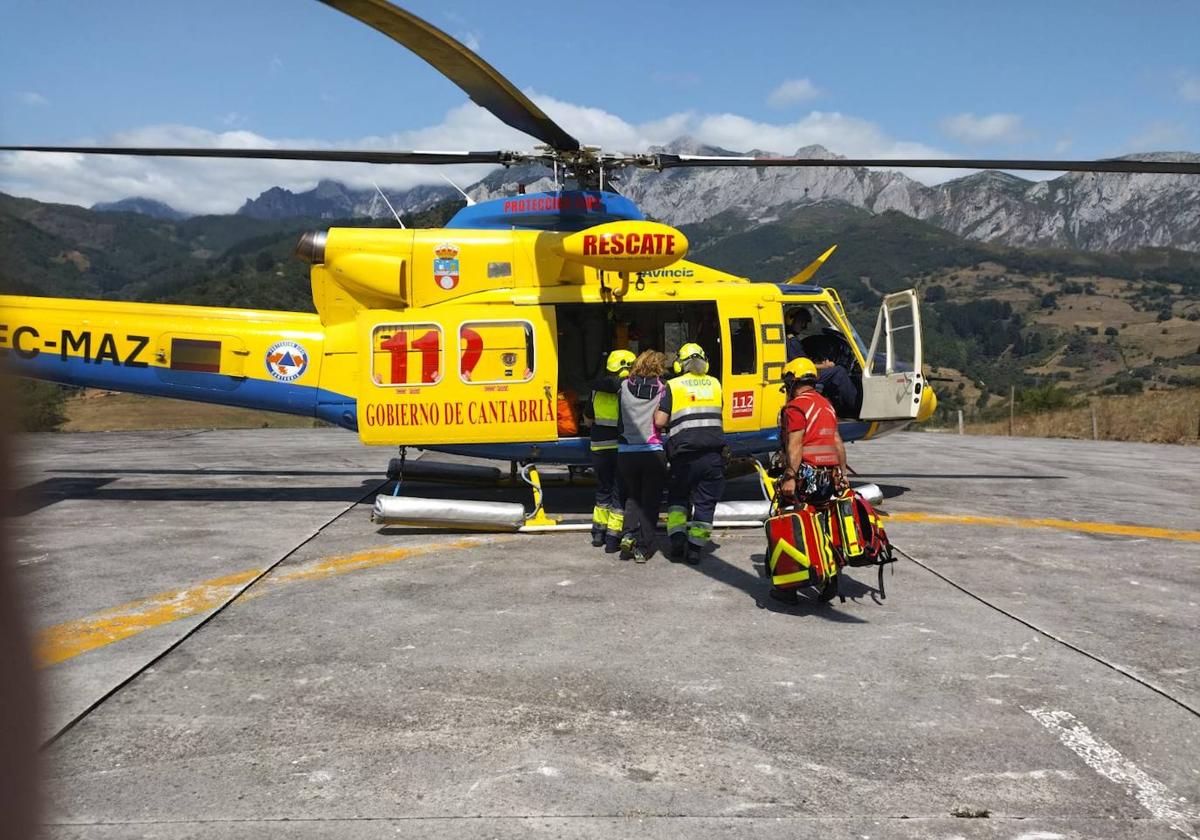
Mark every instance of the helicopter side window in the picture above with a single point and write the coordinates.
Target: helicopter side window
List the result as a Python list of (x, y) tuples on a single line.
[(742, 346), (406, 354), (495, 351)]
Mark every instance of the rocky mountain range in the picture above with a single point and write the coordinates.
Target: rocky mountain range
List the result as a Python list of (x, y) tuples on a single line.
[(145, 206), (1108, 212)]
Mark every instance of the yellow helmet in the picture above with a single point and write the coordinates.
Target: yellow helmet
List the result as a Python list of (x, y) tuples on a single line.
[(619, 362), (687, 353), (800, 369)]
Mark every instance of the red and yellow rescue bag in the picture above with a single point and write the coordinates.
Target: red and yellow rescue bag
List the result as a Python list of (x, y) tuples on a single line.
[(798, 550), (857, 531)]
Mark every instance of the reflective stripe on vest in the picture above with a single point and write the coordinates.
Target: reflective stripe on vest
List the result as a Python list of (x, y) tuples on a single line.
[(695, 403), (606, 408), (820, 455)]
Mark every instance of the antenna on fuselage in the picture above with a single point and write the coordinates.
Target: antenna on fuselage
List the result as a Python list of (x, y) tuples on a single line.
[(390, 207), (470, 201)]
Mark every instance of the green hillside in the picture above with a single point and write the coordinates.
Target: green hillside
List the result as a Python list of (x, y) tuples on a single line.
[(993, 316), (65, 251)]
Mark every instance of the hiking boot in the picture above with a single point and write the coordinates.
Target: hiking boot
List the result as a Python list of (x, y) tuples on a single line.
[(626, 548), (678, 548), (597, 539), (784, 596), (612, 544), (639, 556), (693, 554)]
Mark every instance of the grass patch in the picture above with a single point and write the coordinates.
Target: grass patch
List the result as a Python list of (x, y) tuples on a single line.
[(106, 411), (1150, 417)]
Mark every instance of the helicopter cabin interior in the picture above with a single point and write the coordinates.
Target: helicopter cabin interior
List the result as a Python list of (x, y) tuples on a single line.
[(586, 333)]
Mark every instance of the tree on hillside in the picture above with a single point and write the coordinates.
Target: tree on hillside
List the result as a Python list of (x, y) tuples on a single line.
[(39, 405)]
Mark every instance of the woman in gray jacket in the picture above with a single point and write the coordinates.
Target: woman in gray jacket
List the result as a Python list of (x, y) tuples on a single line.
[(641, 459)]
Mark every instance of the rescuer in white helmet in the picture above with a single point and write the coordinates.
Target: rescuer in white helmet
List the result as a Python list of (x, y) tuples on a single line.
[(691, 411)]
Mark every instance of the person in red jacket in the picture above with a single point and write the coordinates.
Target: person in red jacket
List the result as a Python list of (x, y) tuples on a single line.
[(811, 450), (813, 455)]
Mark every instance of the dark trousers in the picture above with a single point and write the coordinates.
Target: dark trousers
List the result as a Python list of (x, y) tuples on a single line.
[(610, 492), (697, 483), (610, 489), (644, 474)]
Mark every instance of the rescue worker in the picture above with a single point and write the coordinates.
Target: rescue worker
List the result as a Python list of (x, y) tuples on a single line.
[(641, 461), (833, 381), (604, 411), (799, 320), (812, 453), (691, 412)]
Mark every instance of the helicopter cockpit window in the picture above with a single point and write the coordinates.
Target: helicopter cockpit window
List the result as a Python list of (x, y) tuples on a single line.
[(495, 351), (406, 354)]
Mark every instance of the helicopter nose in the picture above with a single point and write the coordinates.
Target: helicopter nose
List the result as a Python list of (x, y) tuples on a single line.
[(311, 247)]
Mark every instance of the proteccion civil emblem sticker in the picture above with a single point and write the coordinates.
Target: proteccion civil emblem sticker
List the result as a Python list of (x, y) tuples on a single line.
[(445, 266), (286, 360)]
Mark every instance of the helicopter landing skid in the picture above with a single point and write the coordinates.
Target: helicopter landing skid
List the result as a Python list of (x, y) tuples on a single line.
[(538, 518)]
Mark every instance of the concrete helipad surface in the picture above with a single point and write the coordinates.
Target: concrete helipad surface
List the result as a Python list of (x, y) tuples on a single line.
[(1033, 673)]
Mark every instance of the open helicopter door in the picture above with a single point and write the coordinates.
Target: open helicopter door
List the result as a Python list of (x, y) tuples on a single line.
[(892, 381), (475, 376)]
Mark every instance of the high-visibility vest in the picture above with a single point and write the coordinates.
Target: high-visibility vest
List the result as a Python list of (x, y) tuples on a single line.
[(606, 409), (695, 424)]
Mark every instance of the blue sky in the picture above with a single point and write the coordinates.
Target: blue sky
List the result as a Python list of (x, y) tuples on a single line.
[(1021, 79)]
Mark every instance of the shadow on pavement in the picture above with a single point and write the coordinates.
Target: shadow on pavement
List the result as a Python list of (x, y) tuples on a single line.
[(965, 476), (206, 471), (756, 586), (44, 493)]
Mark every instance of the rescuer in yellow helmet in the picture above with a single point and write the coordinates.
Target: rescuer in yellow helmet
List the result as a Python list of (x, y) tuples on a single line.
[(608, 514), (691, 412)]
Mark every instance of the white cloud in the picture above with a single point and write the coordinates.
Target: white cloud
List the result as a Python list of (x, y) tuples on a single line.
[(33, 98), (981, 131), (1063, 145), (1189, 89), (1160, 136), (793, 92), (220, 186), (470, 40)]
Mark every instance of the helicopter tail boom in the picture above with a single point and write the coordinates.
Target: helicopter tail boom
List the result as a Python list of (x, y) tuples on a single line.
[(246, 358)]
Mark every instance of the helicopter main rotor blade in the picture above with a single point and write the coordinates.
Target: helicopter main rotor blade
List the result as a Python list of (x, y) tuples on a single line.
[(1162, 167), (281, 154), (482, 82)]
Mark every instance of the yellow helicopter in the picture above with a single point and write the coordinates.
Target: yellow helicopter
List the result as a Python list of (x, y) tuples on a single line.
[(468, 338)]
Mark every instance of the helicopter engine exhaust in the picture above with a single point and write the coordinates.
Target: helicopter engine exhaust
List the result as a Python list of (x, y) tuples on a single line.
[(311, 247)]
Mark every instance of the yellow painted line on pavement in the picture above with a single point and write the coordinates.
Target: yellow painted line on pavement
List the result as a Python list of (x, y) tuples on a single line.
[(1112, 528), (71, 638), (372, 558)]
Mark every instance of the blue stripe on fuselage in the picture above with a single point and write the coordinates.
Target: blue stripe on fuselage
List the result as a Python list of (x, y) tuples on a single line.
[(575, 450), (244, 392), (332, 407)]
